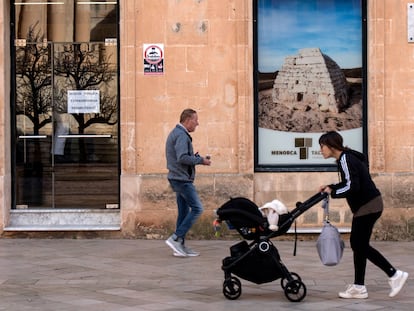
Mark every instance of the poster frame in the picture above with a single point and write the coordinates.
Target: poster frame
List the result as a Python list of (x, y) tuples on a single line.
[(308, 167)]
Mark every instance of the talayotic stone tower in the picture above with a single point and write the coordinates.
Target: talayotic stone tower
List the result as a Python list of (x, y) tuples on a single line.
[(311, 80)]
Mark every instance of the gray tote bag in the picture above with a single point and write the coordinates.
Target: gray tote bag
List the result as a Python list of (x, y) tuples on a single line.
[(330, 245)]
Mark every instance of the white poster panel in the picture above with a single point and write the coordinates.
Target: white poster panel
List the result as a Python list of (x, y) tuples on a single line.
[(299, 148), (83, 101)]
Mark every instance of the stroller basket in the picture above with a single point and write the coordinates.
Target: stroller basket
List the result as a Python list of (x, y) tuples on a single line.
[(253, 264)]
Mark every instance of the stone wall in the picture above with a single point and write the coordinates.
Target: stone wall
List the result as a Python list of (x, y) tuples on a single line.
[(208, 66)]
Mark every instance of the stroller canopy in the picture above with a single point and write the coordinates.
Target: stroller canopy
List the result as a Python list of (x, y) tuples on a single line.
[(241, 212)]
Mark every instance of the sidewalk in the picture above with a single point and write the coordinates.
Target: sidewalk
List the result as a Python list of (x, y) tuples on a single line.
[(126, 275)]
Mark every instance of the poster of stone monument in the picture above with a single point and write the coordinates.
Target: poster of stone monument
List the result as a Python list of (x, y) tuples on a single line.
[(309, 77)]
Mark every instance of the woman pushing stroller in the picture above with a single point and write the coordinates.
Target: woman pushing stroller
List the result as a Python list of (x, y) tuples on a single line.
[(365, 202)]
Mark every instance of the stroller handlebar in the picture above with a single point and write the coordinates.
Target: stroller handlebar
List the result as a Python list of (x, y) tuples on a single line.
[(302, 207)]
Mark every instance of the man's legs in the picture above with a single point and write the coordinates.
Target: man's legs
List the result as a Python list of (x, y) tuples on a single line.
[(189, 207), (189, 210), (183, 209)]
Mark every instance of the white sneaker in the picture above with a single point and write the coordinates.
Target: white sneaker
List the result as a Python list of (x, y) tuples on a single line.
[(354, 291), (190, 252), (176, 246), (397, 282)]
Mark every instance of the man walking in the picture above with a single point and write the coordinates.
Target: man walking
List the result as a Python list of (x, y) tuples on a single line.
[(181, 162)]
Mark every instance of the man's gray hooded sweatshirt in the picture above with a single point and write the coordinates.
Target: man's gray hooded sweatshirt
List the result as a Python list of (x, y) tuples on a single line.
[(181, 160)]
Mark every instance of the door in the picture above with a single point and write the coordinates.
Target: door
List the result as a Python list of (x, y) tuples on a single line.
[(65, 110)]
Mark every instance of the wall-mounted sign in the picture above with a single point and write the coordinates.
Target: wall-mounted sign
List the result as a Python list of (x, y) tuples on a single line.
[(153, 55), (83, 101)]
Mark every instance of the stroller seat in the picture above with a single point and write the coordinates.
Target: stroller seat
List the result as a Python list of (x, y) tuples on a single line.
[(244, 215)]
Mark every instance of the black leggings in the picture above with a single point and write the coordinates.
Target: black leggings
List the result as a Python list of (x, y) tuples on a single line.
[(360, 235)]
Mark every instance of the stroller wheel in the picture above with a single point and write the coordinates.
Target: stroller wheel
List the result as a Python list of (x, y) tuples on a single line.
[(232, 288), (295, 290), (284, 281)]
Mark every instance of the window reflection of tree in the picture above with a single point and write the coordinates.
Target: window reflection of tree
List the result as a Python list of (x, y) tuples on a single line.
[(86, 67), (33, 78), (77, 67)]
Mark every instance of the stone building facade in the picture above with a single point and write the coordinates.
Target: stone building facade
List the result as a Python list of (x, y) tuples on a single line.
[(209, 67)]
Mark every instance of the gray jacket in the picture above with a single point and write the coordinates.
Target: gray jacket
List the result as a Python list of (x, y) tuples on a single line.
[(181, 160)]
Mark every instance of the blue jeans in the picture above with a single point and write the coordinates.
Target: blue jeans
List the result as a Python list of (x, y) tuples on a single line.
[(189, 206)]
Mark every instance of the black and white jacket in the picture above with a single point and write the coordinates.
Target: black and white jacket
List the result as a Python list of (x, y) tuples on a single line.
[(356, 184)]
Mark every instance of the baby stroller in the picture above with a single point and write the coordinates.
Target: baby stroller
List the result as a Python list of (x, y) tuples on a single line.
[(259, 261)]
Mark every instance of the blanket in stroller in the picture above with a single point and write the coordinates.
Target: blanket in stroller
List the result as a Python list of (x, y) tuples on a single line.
[(272, 211)]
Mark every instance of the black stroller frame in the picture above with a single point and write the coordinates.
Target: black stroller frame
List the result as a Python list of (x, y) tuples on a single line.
[(259, 261)]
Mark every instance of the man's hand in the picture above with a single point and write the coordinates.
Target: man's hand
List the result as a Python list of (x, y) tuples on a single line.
[(206, 161)]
